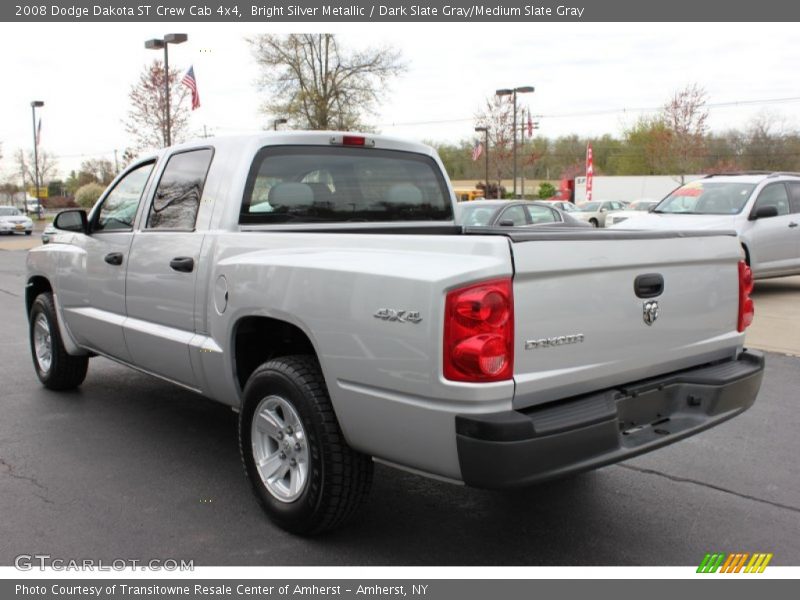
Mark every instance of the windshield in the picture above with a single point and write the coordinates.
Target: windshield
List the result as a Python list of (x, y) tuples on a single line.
[(476, 216), (567, 207), (6, 211), (319, 184), (590, 207), (707, 198)]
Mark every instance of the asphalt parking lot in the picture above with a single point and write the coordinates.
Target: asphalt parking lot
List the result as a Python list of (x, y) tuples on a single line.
[(131, 467)]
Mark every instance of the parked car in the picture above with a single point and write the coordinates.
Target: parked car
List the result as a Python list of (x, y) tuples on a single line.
[(512, 213), (353, 319), (563, 205), (618, 216), (594, 212), (763, 209), (13, 221)]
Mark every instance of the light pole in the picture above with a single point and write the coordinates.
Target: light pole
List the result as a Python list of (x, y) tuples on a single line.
[(526, 89), (157, 44), (34, 105), (277, 122), (485, 131)]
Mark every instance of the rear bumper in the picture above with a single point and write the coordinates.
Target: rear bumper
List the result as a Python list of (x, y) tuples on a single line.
[(518, 448)]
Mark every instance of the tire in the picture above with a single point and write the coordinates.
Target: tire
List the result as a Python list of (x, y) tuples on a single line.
[(287, 421), (56, 369), (28, 232), (594, 223)]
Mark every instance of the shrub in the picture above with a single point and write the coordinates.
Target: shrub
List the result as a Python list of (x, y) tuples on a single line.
[(87, 195), (546, 190)]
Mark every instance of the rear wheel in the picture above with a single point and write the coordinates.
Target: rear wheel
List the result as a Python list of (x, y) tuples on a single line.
[(594, 223), (56, 369), (306, 477)]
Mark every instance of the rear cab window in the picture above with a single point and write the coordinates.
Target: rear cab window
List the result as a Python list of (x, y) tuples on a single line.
[(320, 184)]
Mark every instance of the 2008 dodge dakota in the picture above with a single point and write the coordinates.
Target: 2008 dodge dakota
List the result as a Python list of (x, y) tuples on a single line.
[(316, 282)]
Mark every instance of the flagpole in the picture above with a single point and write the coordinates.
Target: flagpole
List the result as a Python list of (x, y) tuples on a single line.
[(34, 104)]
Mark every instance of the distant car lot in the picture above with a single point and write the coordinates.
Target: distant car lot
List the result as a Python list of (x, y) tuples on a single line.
[(512, 213)]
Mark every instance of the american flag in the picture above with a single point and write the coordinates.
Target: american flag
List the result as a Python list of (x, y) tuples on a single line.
[(190, 82), (477, 150), (530, 124)]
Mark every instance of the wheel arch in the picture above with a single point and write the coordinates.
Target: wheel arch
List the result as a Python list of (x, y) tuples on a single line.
[(37, 284), (257, 339)]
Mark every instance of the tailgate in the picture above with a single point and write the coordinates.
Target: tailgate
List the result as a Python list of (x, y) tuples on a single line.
[(581, 326)]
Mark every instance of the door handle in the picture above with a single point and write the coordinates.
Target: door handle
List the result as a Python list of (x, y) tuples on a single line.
[(113, 258), (184, 264), (648, 285), (792, 224)]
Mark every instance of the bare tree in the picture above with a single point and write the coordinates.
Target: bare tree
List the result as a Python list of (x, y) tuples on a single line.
[(147, 117), (101, 170), (316, 84), (498, 116), (26, 165), (685, 116)]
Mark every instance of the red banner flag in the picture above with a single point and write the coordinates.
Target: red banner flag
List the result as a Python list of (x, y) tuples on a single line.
[(589, 172)]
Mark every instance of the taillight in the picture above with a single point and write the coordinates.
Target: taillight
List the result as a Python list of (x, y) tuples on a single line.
[(354, 140), (746, 308), (479, 332)]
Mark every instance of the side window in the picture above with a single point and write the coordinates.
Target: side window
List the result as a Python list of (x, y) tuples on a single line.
[(515, 214), (178, 194), (794, 197), (774, 195), (119, 206), (542, 214)]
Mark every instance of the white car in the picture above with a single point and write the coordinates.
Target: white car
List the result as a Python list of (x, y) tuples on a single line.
[(595, 212), (13, 221), (618, 216), (763, 209)]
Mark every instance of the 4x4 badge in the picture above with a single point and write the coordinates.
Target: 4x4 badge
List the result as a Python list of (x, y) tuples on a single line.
[(401, 316), (650, 311)]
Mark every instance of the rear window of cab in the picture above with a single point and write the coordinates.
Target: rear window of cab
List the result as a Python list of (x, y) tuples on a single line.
[(320, 184)]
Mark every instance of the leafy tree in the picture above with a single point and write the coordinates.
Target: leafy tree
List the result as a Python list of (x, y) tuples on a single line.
[(87, 195), (147, 117), (546, 190), (317, 84)]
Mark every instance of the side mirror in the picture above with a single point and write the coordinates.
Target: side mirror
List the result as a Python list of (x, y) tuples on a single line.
[(765, 212), (506, 223), (72, 220)]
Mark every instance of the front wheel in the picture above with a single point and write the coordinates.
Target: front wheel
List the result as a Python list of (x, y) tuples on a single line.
[(304, 474), (594, 223), (28, 232), (56, 369)]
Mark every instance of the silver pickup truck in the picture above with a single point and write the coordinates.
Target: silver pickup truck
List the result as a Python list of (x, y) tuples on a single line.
[(317, 284)]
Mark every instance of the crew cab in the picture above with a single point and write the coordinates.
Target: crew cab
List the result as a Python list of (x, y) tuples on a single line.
[(316, 283)]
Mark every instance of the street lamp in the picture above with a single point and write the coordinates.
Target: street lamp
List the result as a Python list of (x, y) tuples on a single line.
[(34, 105), (157, 44), (277, 122), (485, 131), (526, 89)]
